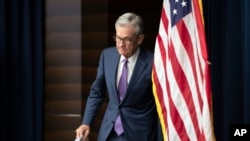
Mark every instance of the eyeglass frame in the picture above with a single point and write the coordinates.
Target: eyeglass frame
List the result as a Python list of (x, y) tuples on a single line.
[(126, 40)]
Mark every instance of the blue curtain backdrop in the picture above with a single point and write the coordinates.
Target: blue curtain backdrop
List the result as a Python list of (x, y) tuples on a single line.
[(228, 34), (21, 69)]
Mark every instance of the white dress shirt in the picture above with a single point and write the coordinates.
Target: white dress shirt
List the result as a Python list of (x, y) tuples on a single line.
[(130, 66)]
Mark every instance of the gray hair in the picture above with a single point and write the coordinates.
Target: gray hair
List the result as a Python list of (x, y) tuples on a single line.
[(131, 19)]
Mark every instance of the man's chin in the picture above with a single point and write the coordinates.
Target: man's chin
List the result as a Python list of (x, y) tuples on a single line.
[(122, 53)]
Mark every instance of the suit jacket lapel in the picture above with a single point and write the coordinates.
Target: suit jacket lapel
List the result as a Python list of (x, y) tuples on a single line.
[(113, 63)]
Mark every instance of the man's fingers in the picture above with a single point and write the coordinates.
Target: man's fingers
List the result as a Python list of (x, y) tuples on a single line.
[(79, 133), (82, 132)]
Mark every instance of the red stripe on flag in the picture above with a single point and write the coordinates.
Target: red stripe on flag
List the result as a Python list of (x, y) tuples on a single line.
[(184, 87), (201, 32), (164, 19), (187, 44), (175, 116), (163, 56), (160, 99)]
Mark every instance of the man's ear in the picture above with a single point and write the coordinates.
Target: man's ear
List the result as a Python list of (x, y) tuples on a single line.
[(140, 39)]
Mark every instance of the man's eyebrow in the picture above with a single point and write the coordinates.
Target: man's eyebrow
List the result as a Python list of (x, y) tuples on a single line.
[(123, 37)]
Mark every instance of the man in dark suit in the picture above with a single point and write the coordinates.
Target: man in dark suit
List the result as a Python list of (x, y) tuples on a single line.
[(131, 112)]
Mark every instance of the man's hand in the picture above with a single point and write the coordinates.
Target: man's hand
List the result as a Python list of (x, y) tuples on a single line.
[(82, 132)]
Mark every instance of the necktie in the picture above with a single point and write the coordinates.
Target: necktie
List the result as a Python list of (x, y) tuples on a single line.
[(122, 86)]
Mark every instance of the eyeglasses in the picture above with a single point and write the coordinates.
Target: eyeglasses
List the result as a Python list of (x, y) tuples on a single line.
[(126, 40)]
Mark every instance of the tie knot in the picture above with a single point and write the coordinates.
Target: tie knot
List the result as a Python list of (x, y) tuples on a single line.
[(125, 61)]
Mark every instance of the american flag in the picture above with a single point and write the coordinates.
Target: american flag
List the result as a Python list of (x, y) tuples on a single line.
[(181, 80)]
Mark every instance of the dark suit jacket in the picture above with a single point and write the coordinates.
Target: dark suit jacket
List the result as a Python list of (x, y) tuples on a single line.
[(137, 110)]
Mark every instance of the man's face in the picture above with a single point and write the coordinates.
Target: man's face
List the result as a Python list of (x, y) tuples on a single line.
[(127, 41)]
